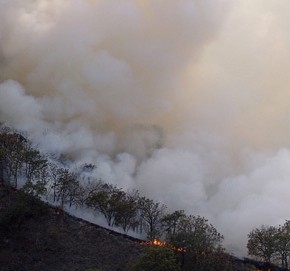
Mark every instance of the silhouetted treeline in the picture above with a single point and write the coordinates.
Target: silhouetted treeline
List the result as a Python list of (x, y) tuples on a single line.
[(24, 167)]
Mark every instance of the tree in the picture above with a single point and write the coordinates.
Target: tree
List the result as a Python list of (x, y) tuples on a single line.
[(36, 189), (151, 214), (262, 242), (2, 159), (87, 190), (19, 158), (65, 186), (106, 201), (171, 221), (197, 242), (12, 147), (35, 168), (282, 245), (157, 259), (34, 163), (127, 210), (196, 234)]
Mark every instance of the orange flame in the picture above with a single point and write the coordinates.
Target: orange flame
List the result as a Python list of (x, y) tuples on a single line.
[(159, 243), (58, 212), (155, 242)]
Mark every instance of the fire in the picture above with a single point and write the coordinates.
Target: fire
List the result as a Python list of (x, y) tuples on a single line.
[(159, 243), (57, 212), (155, 242)]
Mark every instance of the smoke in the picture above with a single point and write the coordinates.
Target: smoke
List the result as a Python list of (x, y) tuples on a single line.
[(186, 101)]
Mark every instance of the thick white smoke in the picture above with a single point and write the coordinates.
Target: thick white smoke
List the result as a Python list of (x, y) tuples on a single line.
[(186, 100)]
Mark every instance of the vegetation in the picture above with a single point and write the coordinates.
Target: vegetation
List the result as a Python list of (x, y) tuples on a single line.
[(23, 207), (41, 176), (18, 159), (151, 214), (271, 244), (261, 243), (34, 236), (192, 243), (157, 259)]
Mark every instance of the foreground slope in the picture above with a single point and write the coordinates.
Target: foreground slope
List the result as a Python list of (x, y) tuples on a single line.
[(34, 236)]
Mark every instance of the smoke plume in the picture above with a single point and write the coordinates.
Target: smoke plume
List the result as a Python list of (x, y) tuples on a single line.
[(186, 101)]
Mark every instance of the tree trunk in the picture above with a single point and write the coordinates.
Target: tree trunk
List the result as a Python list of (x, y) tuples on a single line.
[(1, 173)]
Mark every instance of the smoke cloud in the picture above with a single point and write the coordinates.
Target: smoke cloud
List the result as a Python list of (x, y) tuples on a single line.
[(186, 101)]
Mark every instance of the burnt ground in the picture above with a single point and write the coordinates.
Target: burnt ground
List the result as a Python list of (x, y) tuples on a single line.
[(34, 237)]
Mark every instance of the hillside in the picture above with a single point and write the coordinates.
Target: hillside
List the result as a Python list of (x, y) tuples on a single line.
[(36, 237)]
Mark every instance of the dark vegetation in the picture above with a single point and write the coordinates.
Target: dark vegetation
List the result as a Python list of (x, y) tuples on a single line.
[(36, 236), (24, 168), (271, 244)]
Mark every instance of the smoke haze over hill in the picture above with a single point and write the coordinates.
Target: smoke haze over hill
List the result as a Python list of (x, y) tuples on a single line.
[(186, 101)]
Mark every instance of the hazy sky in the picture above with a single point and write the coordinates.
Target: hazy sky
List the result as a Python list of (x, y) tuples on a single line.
[(187, 101)]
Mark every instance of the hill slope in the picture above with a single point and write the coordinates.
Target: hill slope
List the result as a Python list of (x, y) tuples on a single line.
[(34, 237)]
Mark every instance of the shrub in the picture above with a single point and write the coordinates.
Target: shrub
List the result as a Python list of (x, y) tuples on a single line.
[(157, 259), (23, 207)]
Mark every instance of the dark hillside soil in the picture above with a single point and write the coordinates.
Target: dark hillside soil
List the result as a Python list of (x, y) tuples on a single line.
[(38, 237), (34, 236)]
